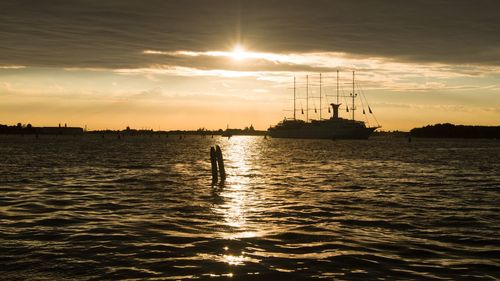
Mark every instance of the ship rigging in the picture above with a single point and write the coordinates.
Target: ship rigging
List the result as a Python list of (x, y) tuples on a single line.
[(335, 127)]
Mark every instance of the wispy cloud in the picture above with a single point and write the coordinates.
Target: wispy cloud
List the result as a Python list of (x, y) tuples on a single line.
[(12, 66), (377, 72)]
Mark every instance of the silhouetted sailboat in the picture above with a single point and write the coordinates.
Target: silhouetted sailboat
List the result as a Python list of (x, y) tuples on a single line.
[(333, 128)]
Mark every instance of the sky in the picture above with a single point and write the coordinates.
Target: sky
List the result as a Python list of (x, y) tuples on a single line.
[(189, 64)]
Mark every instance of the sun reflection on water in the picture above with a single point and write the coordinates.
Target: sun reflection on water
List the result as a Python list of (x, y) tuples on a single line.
[(237, 201), (235, 260), (237, 196)]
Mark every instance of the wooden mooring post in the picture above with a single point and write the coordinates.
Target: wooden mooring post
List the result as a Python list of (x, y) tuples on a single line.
[(220, 162), (213, 161), (217, 163)]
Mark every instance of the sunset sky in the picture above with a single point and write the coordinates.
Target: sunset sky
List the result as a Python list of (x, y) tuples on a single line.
[(191, 64)]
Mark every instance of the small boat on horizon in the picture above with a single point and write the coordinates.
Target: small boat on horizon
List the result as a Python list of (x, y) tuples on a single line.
[(333, 128)]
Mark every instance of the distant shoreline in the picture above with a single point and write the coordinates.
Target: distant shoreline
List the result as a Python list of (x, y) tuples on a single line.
[(28, 129), (445, 130)]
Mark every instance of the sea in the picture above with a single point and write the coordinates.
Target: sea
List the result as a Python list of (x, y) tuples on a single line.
[(98, 207)]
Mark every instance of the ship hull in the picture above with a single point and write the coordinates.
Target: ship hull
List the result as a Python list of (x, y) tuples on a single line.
[(363, 133), (331, 129)]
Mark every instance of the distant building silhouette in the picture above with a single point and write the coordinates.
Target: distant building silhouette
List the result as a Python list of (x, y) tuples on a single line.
[(29, 129), (61, 130)]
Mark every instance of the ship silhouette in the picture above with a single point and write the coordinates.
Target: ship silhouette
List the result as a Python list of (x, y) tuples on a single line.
[(333, 128)]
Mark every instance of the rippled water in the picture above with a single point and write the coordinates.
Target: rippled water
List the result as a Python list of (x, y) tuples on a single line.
[(143, 208)]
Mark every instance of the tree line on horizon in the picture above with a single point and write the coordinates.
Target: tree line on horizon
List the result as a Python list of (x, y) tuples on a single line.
[(448, 130)]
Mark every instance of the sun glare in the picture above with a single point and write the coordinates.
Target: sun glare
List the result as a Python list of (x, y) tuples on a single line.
[(238, 53)]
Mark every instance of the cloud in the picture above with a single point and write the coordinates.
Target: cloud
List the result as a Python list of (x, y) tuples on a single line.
[(154, 93), (114, 33), (12, 67), (376, 72)]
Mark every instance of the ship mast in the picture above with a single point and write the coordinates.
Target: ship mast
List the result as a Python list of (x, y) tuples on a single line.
[(337, 86), (335, 106), (353, 95), (307, 98), (294, 98), (320, 96)]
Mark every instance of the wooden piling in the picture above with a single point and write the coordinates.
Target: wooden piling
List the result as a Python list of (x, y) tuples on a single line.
[(220, 161), (213, 161)]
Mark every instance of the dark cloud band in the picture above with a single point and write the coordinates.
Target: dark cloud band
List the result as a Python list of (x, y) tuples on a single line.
[(113, 34)]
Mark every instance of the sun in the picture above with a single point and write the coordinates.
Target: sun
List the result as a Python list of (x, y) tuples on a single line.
[(238, 53)]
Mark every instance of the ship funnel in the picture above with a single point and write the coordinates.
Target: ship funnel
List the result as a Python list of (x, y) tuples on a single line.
[(335, 108)]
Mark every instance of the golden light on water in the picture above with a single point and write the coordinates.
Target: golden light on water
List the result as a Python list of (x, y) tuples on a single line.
[(238, 199), (236, 194), (235, 260)]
